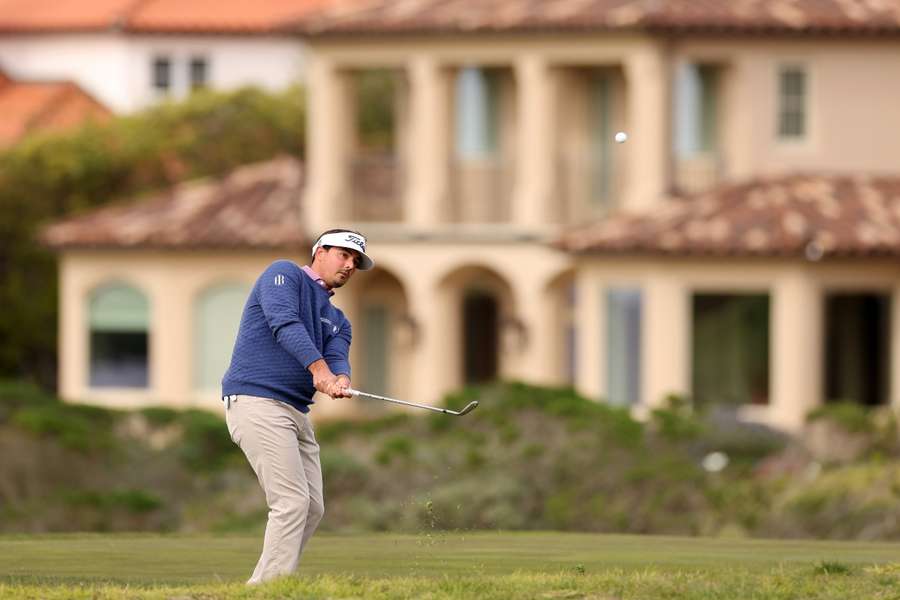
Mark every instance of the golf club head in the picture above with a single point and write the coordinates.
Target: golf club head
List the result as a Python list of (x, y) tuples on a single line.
[(468, 408)]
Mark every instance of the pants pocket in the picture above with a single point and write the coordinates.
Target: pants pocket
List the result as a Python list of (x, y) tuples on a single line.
[(231, 422)]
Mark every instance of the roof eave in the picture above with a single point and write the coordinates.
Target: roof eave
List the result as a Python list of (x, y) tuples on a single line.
[(309, 30)]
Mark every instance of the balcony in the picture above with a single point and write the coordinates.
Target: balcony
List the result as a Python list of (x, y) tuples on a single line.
[(480, 191), (588, 187), (376, 186)]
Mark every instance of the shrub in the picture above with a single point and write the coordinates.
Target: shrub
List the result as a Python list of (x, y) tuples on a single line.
[(334, 431), (133, 500), (206, 444), (851, 416), (77, 427), (18, 394), (159, 416), (394, 447), (345, 474), (676, 421), (49, 176)]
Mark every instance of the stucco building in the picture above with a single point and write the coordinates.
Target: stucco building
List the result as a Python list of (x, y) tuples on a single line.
[(130, 54), (739, 249)]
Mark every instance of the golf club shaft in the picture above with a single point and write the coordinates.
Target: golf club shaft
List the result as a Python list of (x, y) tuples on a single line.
[(386, 399)]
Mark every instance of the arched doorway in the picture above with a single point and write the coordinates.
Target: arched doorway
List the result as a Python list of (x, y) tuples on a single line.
[(480, 309), (382, 339), (481, 333)]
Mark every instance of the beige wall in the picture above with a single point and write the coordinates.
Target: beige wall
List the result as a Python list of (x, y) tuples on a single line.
[(421, 283), (428, 262), (434, 274), (796, 290), (853, 90), (852, 121), (171, 282), (534, 104)]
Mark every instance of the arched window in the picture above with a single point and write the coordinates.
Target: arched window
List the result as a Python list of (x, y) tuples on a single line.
[(217, 315), (119, 318)]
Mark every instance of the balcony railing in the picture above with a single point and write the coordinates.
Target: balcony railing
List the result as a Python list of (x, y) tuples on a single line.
[(375, 188), (480, 190), (588, 187)]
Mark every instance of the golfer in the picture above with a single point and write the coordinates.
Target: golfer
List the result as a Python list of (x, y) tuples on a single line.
[(291, 343)]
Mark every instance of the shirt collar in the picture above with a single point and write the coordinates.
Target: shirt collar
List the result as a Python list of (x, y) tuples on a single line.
[(315, 277)]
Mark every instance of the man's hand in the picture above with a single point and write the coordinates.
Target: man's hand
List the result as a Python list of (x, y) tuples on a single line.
[(323, 379), (326, 382), (342, 383)]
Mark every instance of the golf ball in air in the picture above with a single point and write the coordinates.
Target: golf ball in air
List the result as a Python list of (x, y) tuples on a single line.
[(621, 137)]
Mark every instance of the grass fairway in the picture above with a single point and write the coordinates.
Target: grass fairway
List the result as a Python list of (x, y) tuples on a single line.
[(453, 565)]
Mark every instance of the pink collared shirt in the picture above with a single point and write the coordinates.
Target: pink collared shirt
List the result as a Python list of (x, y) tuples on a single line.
[(315, 277)]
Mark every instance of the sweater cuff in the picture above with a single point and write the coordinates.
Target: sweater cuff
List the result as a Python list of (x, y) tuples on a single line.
[(340, 367), (309, 358)]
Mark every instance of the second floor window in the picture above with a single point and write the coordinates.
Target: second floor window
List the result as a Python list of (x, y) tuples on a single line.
[(199, 72), (696, 110), (162, 74), (792, 101), (477, 113)]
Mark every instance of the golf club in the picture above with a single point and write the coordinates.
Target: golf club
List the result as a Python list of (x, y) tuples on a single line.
[(467, 409)]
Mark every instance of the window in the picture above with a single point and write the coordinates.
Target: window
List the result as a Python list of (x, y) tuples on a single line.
[(623, 345), (377, 353), (377, 95), (792, 92), (217, 315), (600, 116), (858, 347), (199, 72), (162, 74), (477, 113), (696, 109), (709, 107), (730, 349), (118, 322)]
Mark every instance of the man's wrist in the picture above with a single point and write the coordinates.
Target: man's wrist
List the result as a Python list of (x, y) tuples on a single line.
[(319, 367)]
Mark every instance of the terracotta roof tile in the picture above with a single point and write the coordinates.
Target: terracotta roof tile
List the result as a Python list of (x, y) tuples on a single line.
[(449, 16), (34, 105), (218, 15), (62, 15), (159, 16), (794, 215), (256, 206)]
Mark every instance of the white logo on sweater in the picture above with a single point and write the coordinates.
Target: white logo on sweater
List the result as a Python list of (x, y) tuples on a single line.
[(334, 328), (279, 280)]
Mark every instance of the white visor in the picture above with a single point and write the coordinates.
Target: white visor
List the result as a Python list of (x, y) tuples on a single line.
[(349, 240)]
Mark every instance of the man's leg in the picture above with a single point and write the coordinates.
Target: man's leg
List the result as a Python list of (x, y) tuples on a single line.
[(309, 452), (267, 432)]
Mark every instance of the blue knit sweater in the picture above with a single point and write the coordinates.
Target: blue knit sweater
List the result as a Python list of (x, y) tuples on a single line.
[(288, 324)]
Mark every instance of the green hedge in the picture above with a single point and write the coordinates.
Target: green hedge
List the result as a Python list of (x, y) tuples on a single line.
[(47, 177), (527, 458)]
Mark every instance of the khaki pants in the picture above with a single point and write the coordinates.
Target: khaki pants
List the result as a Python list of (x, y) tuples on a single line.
[(279, 442)]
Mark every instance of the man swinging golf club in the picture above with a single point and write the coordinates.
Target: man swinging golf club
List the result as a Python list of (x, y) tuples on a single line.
[(291, 343)]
